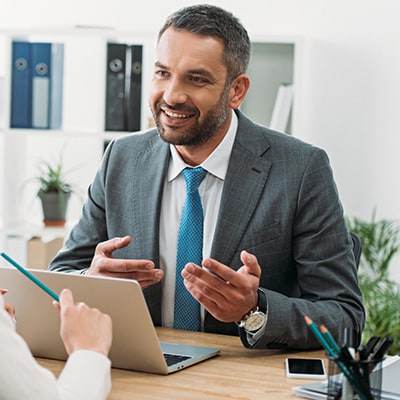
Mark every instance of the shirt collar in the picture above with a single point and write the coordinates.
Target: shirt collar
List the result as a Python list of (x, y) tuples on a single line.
[(216, 163)]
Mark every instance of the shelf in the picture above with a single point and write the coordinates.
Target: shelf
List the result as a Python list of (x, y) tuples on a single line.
[(274, 61)]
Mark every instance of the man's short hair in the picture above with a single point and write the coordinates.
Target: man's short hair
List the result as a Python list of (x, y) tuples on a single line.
[(209, 20)]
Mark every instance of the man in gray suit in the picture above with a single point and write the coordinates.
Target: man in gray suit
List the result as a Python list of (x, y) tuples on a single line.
[(276, 247)]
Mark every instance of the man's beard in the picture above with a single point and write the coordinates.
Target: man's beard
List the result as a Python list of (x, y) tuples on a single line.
[(201, 132)]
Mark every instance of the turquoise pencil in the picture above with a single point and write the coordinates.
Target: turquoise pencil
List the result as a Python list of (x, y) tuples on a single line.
[(329, 338), (331, 352), (335, 354), (31, 277)]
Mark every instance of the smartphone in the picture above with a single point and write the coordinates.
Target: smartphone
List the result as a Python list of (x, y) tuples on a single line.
[(305, 368)]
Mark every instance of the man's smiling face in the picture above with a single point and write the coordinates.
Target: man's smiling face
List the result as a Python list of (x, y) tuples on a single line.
[(190, 96)]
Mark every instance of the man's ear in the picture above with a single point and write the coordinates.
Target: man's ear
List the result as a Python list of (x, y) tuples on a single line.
[(238, 91)]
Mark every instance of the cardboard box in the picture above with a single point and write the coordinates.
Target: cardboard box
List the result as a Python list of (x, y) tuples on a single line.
[(40, 253)]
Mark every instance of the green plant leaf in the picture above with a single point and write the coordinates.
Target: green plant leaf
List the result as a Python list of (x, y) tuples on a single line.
[(52, 178), (381, 242)]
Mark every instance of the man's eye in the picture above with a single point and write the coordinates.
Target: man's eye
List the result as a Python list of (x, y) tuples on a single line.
[(198, 80), (161, 74)]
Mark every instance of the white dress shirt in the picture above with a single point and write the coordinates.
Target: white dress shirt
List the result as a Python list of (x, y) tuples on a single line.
[(174, 196), (86, 374)]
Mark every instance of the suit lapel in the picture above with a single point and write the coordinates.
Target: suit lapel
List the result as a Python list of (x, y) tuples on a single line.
[(245, 181), (150, 169), (149, 173)]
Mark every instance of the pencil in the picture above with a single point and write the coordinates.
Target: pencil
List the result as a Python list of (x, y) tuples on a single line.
[(346, 357), (329, 338), (331, 351), (335, 355), (31, 277)]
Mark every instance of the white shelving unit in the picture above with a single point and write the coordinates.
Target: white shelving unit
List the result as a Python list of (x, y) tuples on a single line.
[(82, 136), (274, 61)]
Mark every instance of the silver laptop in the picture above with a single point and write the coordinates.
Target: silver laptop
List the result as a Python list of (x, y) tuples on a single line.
[(135, 342)]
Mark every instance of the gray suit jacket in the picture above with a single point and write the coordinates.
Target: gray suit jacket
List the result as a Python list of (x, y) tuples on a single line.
[(279, 202)]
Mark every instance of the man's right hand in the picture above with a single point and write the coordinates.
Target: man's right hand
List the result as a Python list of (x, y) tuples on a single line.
[(104, 263)]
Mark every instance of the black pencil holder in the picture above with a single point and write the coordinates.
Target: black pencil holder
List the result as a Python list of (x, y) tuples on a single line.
[(365, 382)]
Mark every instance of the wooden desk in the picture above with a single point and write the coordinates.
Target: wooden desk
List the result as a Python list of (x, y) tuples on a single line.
[(237, 373)]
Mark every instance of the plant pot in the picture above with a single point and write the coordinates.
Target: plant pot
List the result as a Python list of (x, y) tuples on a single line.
[(54, 206)]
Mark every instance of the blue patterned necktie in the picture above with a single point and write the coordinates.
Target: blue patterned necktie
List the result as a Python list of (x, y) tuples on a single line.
[(190, 249)]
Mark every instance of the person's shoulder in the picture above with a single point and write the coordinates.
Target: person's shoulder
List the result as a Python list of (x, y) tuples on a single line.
[(275, 139), (135, 141), (137, 137)]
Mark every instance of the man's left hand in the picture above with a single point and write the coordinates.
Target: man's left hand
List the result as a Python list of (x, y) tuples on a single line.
[(226, 294)]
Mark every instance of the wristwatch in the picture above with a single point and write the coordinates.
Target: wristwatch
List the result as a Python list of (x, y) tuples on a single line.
[(253, 321)]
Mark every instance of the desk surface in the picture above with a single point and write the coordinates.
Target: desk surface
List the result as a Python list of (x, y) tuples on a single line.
[(237, 373)]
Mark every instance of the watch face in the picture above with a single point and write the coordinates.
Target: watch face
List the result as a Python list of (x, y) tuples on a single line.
[(255, 321)]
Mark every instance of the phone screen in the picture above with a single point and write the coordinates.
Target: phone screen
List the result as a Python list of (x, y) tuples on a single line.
[(305, 368)]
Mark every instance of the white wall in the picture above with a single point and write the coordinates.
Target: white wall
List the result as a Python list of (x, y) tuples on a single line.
[(350, 94)]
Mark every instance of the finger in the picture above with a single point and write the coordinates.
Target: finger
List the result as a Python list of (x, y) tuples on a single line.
[(251, 263), (66, 298), (11, 311), (56, 305), (153, 276), (121, 266), (147, 282), (219, 270), (216, 301), (111, 245), (81, 305), (3, 291), (202, 284), (223, 300)]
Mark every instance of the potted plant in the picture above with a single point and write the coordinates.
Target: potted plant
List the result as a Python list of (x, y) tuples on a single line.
[(381, 242), (54, 192)]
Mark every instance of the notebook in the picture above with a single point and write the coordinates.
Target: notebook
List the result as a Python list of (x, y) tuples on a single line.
[(135, 342)]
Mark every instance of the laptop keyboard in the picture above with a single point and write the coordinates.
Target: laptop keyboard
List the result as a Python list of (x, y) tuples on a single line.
[(172, 359)]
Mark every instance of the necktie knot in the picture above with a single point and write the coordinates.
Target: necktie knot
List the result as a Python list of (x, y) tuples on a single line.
[(193, 177)]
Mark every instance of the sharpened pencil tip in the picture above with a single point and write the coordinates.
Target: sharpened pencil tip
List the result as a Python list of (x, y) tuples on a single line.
[(308, 320), (323, 329)]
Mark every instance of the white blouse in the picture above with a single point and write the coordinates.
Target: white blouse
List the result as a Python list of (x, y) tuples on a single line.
[(86, 374)]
